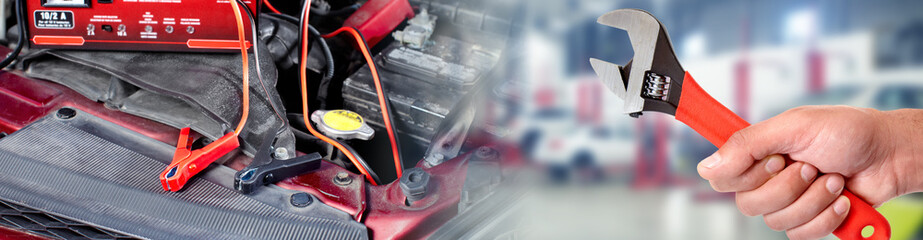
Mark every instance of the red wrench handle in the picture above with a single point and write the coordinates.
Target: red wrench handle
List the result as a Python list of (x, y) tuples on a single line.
[(717, 123), (706, 115)]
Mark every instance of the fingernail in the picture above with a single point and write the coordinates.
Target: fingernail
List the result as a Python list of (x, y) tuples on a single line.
[(841, 205), (711, 161), (834, 184), (808, 173), (775, 164)]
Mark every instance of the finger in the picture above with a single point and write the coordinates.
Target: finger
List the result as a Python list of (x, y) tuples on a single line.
[(819, 195), (779, 135), (758, 174), (779, 192), (823, 224)]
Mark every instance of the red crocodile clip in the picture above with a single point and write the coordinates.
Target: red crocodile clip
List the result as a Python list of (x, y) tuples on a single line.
[(187, 163)]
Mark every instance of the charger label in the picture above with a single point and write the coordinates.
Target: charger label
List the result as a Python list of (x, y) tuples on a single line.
[(54, 19)]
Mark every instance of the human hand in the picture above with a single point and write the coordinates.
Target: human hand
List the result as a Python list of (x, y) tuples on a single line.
[(864, 149)]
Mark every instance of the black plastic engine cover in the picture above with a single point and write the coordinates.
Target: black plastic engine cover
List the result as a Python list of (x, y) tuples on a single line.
[(197, 90)]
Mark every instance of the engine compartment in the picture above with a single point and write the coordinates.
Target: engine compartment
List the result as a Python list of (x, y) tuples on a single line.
[(436, 69)]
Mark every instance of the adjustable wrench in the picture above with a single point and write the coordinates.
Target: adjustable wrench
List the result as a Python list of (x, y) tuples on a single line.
[(654, 81)]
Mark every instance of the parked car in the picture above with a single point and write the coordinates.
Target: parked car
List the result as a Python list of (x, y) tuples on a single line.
[(882, 95)]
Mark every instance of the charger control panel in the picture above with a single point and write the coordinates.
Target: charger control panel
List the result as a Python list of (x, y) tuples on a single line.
[(136, 25)]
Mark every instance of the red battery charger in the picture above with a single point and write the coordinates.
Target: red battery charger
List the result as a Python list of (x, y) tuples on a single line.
[(136, 25)]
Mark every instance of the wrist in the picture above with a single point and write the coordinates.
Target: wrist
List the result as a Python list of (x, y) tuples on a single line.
[(904, 128)]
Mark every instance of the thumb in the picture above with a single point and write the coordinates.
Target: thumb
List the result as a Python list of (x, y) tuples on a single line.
[(777, 135)]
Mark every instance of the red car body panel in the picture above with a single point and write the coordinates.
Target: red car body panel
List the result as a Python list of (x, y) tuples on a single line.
[(382, 208)]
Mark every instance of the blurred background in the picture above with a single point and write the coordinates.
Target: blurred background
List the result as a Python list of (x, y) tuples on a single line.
[(606, 175)]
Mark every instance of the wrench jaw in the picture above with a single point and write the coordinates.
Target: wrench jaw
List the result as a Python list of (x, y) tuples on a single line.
[(653, 79), (611, 75)]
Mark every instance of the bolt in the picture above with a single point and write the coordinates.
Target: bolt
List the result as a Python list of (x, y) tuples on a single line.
[(485, 153), (413, 184), (301, 200), (342, 179), (434, 159), (66, 113), (281, 153)]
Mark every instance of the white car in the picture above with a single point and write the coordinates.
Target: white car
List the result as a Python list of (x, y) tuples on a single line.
[(882, 95), (557, 142)]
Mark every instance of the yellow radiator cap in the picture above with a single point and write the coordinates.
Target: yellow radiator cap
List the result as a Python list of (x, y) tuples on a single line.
[(343, 120), (342, 124)]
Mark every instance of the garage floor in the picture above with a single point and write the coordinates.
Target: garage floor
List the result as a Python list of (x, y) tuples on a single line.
[(615, 211)]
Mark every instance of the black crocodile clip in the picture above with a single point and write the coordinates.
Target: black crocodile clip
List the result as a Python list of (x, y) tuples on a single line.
[(266, 169)]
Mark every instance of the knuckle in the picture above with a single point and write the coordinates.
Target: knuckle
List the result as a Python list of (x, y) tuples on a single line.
[(792, 235), (800, 110), (722, 186), (740, 137), (748, 183), (716, 186), (746, 211), (792, 190), (745, 208), (799, 113), (830, 224), (801, 234), (811, 234), (774, 223), (816, 231)]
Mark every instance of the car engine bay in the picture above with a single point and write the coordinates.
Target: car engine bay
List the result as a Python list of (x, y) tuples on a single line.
[(368, 119)]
